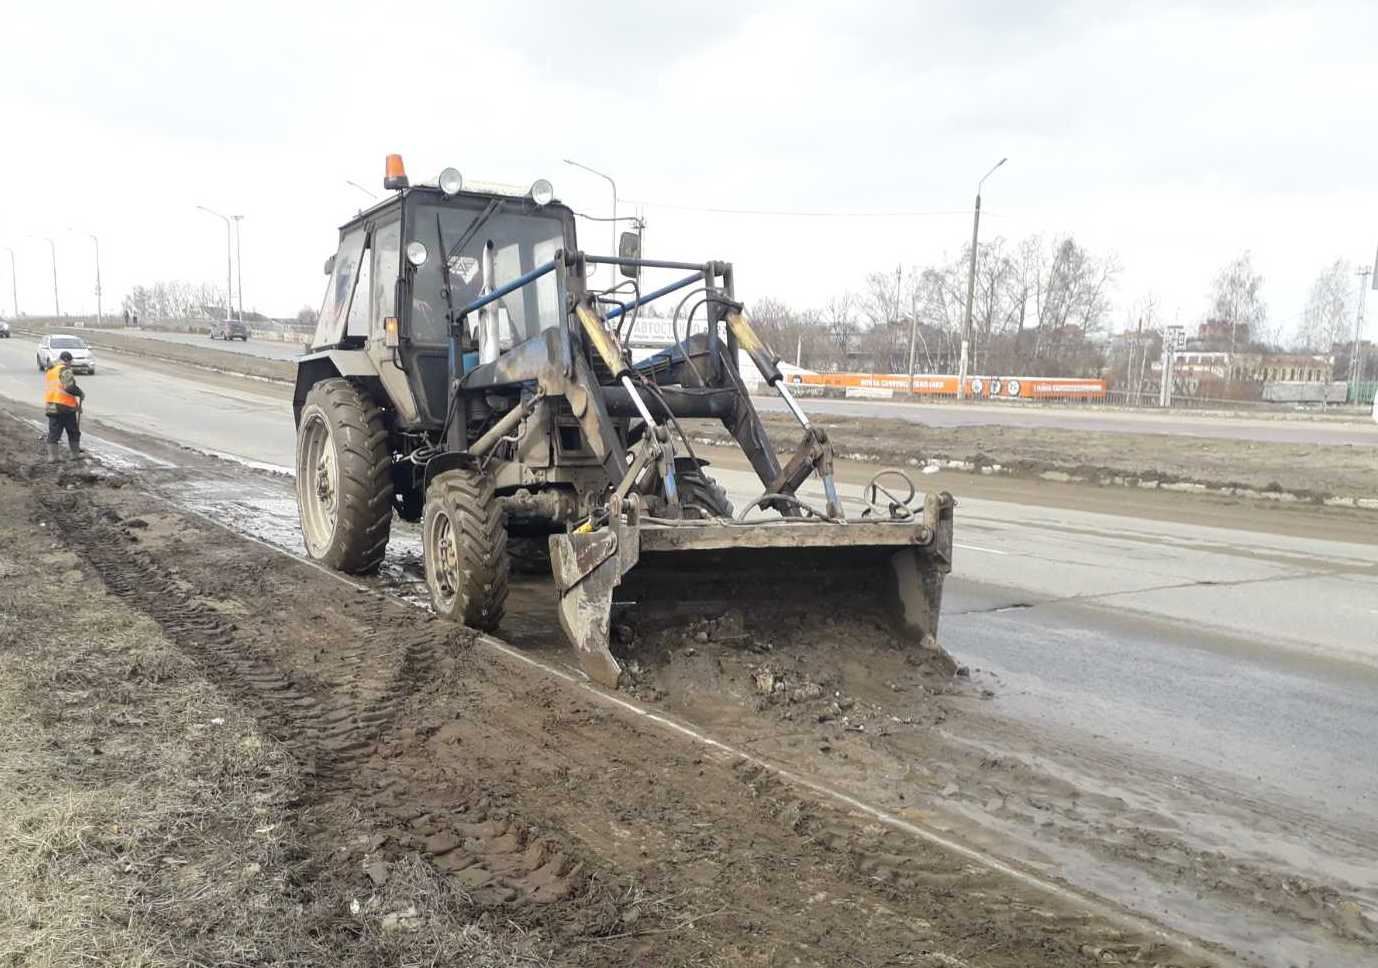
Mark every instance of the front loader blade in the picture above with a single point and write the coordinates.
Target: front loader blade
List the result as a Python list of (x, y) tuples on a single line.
[(587, 568), (781, 574)]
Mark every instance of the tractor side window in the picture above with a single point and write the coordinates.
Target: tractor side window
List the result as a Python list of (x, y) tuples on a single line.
[(359, 305), (330, 327), (386, 256)]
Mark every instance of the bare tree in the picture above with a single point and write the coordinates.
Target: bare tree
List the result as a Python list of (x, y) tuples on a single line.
[(1236, 300), (1330, 308), (883, 298)]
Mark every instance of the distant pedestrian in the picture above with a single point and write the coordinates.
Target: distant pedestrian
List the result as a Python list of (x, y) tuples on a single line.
[(62, 400)]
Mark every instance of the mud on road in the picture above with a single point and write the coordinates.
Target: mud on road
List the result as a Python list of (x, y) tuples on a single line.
[(519, 804)]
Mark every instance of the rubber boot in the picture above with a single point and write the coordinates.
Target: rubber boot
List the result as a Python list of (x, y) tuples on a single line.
[(54, 453), (75, 444)]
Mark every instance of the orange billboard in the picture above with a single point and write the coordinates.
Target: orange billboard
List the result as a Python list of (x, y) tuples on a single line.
[(978, 387)]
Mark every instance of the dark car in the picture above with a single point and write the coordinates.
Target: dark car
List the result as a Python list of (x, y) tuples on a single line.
[(228, 329)]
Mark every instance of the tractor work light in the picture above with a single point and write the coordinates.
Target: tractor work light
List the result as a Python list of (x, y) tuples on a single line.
[(450, 181), (394, 174), (416, 253), (542, 192)]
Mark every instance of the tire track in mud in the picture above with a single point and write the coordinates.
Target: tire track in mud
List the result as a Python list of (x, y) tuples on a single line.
[(537, 779), (333, 717)]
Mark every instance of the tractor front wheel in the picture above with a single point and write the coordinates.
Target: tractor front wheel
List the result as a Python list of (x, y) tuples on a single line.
[(464, 540), (344, 477), (700, 493)]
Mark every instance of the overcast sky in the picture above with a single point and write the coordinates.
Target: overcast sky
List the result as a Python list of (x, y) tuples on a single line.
[(1175, 136)]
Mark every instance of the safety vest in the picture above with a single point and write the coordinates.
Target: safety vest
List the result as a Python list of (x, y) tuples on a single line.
[(55, 393)]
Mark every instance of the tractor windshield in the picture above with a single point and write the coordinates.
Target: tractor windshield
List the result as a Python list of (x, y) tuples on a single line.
[(520, 241)]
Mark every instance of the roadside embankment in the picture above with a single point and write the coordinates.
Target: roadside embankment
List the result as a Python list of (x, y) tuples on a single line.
[(1335, 475), (227, 361)]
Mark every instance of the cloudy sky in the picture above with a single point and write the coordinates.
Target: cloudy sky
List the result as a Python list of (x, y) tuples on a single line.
[(1174, 135)]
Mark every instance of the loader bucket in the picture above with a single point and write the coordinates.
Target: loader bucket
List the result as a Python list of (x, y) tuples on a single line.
[(890, 570)]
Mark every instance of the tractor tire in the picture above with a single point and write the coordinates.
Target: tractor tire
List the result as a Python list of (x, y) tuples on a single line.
[(699, 492), (464, 543), (344, 477)]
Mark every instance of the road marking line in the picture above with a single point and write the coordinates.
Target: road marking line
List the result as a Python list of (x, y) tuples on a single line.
[(989, 551)]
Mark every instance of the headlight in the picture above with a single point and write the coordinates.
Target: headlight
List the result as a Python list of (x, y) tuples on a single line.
[(416, 254), (450, 181), (542, 192)]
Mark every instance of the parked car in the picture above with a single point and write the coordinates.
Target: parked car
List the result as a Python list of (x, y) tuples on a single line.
[(228, 329), (4, 329), (52, 346)]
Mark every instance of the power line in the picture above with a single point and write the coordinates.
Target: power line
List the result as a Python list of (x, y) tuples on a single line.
[(804, 213)]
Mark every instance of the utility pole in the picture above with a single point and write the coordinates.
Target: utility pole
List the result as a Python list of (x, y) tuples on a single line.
[(1354, 369), (239, 262), (971, 286), (229, 267), (14, 282), (100, 315), (612, 279)]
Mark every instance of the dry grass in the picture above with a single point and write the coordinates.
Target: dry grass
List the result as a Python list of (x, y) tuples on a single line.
[(146, 821)]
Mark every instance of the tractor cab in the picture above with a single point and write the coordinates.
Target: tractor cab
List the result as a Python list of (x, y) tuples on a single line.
[(405, 267)]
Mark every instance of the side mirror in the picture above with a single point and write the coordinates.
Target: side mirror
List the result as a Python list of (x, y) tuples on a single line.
[(629, 247), (330, 265)]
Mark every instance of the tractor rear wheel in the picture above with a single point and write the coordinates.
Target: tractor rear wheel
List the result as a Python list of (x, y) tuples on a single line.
[(464, 540), (344, 477)]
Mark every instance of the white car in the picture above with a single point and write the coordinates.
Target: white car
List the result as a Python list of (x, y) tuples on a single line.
[(50, 348), (4, 329)]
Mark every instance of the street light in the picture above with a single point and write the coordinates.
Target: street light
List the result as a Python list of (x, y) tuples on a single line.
[(971, 286), (14, 281), (100, 318), (239, 262), (229, 271), (52, 248), (100, 315), (613, 223)]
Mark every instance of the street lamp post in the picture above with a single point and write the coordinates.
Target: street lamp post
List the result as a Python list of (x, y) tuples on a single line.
[(239, 263), (52, 249), (971, 286), (613, 223), (229, 268), (14, 282), (100, 315)]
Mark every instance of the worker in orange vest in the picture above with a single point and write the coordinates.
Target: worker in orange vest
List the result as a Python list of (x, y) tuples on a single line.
[(62, 401)]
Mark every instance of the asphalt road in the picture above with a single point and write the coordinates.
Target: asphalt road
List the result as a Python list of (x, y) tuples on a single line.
[(1239, 663), (1280, 429)]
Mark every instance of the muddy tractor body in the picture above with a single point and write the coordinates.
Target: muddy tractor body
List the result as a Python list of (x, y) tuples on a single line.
[(466, 374)]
